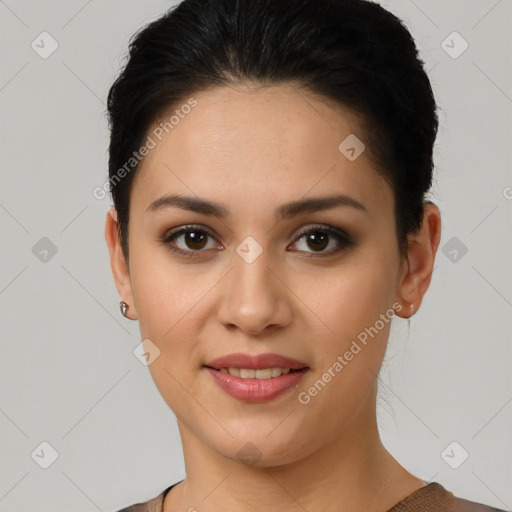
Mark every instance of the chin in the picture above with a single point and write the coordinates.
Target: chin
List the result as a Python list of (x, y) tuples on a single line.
[(261, 449)]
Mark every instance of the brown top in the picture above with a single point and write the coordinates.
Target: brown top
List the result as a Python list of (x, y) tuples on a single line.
[(432, 497)]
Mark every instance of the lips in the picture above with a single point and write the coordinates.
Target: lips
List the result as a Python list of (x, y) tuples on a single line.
[(261, 388), (256, 390), (256, 362)]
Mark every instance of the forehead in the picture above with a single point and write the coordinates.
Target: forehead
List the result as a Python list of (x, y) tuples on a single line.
[(276, 142)]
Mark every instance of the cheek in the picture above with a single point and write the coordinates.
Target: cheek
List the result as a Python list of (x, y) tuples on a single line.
[(168, 298), (354, 304), (352, 297), (164, 291)]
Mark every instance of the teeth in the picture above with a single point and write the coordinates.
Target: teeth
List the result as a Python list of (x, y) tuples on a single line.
[(249, 373)]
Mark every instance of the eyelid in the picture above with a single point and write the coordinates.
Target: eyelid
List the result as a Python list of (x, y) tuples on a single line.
[(322, 227), (186, 227)]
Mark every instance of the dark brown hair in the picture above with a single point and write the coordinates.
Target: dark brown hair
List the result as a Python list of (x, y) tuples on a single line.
[(351, 51)]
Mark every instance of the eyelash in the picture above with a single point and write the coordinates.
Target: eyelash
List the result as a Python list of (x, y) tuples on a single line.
[(339, 235)]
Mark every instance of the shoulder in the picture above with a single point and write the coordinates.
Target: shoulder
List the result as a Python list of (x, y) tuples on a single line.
[(435, 498), (153, 505), (462, 505)]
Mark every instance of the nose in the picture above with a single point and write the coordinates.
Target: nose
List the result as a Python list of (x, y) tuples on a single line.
[(255, 298)]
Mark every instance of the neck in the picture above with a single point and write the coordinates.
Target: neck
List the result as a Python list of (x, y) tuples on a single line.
[(350, 472)]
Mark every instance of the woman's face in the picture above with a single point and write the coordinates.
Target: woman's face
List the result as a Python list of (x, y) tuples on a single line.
[(264, 277)]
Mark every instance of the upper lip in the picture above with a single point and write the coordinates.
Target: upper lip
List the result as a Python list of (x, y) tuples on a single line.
[(256, 362)]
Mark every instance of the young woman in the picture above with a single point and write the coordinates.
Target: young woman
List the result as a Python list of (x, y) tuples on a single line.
[(269, 165)]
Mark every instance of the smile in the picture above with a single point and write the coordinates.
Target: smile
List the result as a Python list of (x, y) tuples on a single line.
[(249, 387), (250, 373)]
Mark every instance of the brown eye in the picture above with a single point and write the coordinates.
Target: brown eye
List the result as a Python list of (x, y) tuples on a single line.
[(195, 239), (318, 238), (190, 240)]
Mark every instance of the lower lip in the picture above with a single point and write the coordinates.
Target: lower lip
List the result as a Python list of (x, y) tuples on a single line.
[(256, 390)]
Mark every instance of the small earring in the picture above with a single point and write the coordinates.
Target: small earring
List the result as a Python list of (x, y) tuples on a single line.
[(123, 307), (412, 309)]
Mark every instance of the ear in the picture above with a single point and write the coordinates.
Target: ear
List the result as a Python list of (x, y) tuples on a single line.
[(118, 263), (417, 273)]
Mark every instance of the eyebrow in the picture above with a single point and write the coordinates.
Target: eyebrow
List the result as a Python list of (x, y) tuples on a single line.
[(285, 211)]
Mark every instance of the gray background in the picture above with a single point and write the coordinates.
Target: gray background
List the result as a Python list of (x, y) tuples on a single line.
[(68, 376)]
